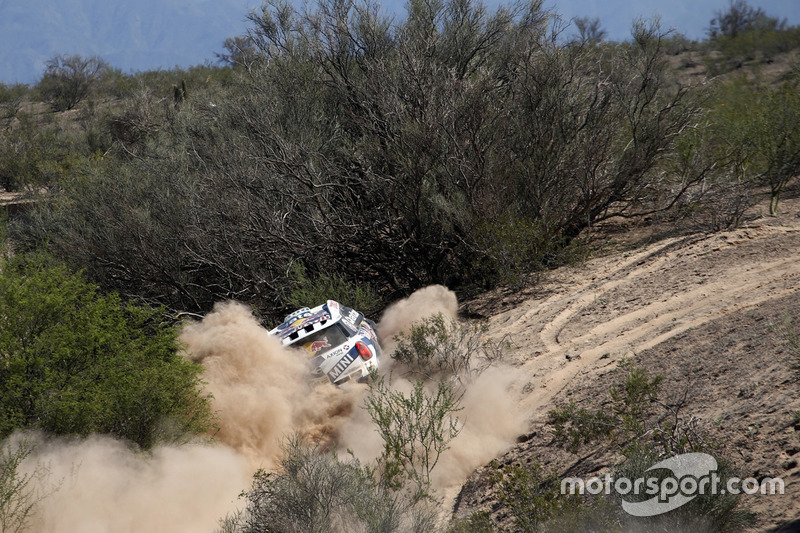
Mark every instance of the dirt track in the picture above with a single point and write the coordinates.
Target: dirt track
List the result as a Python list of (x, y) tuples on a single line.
[(699, 308), (621, 305)]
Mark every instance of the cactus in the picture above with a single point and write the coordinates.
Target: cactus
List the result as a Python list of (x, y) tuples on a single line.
[(179, 93)]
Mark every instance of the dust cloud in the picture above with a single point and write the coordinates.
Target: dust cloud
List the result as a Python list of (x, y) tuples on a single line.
[(101, 485), (491, 422), (490, 416), (262, 395), (400, 316)]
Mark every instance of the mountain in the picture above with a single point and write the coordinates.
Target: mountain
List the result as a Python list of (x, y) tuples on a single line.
[(132, 36)]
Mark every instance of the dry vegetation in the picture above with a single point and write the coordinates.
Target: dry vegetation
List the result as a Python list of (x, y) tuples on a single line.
[(623, 215)]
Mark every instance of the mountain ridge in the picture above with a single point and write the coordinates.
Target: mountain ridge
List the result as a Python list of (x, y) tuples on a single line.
[(145, 35)]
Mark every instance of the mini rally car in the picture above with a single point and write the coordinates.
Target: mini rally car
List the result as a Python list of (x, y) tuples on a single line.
[(340, 342)]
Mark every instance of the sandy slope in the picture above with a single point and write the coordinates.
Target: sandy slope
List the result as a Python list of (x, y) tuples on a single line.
[(626, 304), (667, 305)]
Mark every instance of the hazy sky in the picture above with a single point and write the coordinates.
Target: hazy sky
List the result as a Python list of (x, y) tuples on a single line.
[(153, 34), (690, 17)]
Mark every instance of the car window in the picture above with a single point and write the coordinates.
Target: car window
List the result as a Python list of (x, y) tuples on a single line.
[(323, 340)]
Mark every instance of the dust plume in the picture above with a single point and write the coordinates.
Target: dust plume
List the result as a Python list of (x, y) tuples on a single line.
[(262, 395), (261, 389), (492, 420), (423, 303), (490, 411), (101, 485), (254, 382)]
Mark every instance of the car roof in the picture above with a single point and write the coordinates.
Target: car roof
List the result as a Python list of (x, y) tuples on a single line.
[(305, 321)]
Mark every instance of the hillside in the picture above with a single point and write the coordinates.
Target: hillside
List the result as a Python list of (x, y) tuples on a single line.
[(624, 216), (706, 311)]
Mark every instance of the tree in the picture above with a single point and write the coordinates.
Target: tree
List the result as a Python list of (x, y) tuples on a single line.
[(386, 154), (68, 79), (740, 17), (589, 30), (75, 361), (239, 51)]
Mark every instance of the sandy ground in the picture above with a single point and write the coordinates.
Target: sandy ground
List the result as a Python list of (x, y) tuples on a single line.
[(704, 311)]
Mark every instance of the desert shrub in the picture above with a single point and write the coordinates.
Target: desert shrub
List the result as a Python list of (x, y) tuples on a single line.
[(76, 361), (632, 403), (478, 522), (743, 31), (34, 156), (137, 123), (762, 122), (310, 292), (438, 348), (530, 495), (514, 246), (416, 428), (315, 492), (396, 150), (18, 498), (440, 358), (642, 429), (11, 98), (706, 513), (645, 430), (677, 43), (761, 43), (720, 205), (68, 79), (589, 30)]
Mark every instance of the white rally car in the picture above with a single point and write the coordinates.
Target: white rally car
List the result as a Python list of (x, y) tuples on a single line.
[(341, 343)]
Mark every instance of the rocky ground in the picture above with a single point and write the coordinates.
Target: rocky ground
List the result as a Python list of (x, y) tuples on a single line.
[(706, 311)]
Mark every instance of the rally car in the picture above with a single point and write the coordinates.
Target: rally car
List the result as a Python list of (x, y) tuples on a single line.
[(340, 342)]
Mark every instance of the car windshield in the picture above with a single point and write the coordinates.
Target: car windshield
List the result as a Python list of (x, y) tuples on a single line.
[(323, 340)]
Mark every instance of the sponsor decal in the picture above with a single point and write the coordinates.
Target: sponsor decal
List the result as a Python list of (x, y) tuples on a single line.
[(300, 320), (353, 319), (316, 346), (340, 367)]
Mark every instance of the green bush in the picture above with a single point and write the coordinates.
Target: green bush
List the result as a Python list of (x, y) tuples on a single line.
[(416, 429), (632, 403), (645, 430), (315, 492), (641, 428), (17, 497), (75, 361), (762, 122), (310, 292), (33, 156), (706, 513), (438, 348), (513, 246), (530, 495), (11, 98), (478, 522)]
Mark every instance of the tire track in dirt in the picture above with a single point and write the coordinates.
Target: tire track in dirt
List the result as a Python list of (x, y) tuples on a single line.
[(617, 306)]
